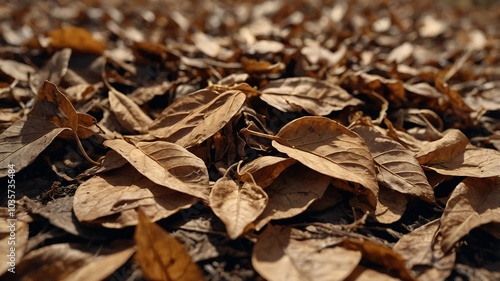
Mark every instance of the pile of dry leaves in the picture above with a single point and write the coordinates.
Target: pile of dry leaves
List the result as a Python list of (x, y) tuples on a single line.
[(249, 140)]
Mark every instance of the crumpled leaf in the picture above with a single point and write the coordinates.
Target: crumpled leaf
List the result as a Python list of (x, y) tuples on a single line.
[(278, 256), (397, 168), (113, 200), (423, 255), (74, 261), (448, 147), (194, 118), (314, 96), (166, 164), (161, 256), (473, 203), (237, 205), (330, 148), (291, 193)]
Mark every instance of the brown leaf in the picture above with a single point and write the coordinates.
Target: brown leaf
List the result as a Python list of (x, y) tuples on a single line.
[(314, 96), (261, 66), (390, 206), (316, 54), (113, 200), (397, 168), (22, 142), (265, 169), (161, 256), (53, 70), (194, 118), (328, 147), (473, 203), (291, 193), (74, 262), (423, 255), (472, 162), (16, 70), (166, 164), (278, 256), (237, 205), (206, 44), (381, 255), (448, 147), (401, 53), (76, 38), (128, 113)]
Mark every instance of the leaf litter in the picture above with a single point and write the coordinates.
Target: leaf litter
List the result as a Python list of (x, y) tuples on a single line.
[(255, 140)]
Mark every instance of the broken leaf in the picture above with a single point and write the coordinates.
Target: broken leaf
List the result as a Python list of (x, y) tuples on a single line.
[(161, 256)]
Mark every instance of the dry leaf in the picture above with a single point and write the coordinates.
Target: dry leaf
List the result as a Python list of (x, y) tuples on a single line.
[(194, 118), (448, 147), (362, 273), (381, 255), (473, 203), (397, 168), (128, 113), (166, 164), (291, 193), (390, 206), (206, 45), (401, 53), (53, 70), (76, 38), (237, 205), (74, 262), (278, 256), (423, 255), (265, 169), (314, 96), (472, 162), (113, 199), (161, 256), (328, 147)]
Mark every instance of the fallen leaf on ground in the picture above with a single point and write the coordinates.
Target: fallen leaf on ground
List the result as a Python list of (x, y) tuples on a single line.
[(161, 256), (237, 205), (448, 147), (473, 203)]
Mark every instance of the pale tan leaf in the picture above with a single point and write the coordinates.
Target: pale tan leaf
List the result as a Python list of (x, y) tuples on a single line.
[(397, 168), (74, 262), (161, 256), (448, 147), (53, 70), (401, 53), (423, 89), (278, 256), (17, 70), (473, 203), (265, 169), (237, 206), (13, 234), (206, 44), (423, 255), (291, 193), (314, 96), (113, 199), (472, 162), (330, 148), (194, 118), (166, 164), (128, 113)]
